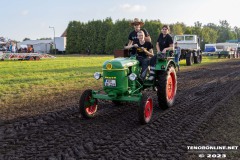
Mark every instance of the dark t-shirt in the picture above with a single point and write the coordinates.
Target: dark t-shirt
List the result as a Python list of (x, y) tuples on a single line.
[(133, 37), (140, 52), (164, 42)]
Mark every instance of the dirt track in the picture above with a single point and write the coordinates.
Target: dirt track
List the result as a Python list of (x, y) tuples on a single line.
[(116, 133)]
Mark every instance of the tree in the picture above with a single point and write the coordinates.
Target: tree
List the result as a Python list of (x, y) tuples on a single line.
[(154, 29), (188, 30), (209, 35), (178, 29), (225, 32), (237, 32), (25, 39), (117, 37), (44, 39), (197, 29), (105, 27), (72, 37), (212, 26), (104, 36)]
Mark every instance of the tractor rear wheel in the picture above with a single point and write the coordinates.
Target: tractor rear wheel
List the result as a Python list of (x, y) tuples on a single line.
[(166, 88), (145, 109), (88, 105)]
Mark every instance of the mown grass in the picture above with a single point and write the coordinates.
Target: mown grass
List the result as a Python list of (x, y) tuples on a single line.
[(21, 80)]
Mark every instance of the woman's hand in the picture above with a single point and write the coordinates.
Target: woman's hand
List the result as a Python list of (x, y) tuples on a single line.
[(135, 45), (164, 51), (144, 49)]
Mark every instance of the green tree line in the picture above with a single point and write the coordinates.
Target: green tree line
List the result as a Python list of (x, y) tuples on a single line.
[(104, 36)]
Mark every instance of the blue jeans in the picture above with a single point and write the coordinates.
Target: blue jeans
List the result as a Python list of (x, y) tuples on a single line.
[(144, 63), (153, 61), (176, 59)]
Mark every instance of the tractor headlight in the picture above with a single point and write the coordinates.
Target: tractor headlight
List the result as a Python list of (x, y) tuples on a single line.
[(132, 76), (97, 75)]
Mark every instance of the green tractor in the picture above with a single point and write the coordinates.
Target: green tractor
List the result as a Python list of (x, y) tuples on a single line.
[(122, 82)]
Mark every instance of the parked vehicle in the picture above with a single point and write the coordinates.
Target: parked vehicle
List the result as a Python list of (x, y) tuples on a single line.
[(210, 50), (227, 54), (227, 50), (238, 52), (121, 82), (190, 48)]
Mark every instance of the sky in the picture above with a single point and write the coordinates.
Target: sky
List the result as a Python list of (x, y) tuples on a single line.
[(31, 18)]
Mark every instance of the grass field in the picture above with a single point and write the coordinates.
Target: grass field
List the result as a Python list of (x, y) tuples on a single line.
[(21, 80), (24, 80)]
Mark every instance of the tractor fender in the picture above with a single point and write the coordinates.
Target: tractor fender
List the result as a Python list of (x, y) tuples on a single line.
[(171, 63), (163, 65)]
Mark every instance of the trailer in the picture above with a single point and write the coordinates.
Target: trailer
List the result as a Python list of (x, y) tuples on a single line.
[(227, 50), (19, 56)]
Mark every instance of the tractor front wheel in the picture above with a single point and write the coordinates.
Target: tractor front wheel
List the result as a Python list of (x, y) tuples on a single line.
[(87, 104), (145, 109), (167, 87)]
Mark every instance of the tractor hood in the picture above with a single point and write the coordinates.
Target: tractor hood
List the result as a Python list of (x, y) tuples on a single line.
[(119, 63)]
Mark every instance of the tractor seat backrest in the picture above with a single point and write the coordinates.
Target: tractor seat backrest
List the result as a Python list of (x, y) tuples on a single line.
[(121, 53)]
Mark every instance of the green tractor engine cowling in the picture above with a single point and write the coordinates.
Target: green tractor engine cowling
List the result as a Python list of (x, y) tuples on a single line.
[(115, 76)]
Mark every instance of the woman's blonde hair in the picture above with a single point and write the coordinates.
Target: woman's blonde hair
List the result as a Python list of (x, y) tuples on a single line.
[(141, 32)]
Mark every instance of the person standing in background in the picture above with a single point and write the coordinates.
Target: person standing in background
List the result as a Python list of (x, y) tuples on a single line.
[(177, 55), (10, 47)]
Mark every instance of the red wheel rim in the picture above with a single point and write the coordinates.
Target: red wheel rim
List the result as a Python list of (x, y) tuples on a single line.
[(171, 85), (90, 108), (148, 109)]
